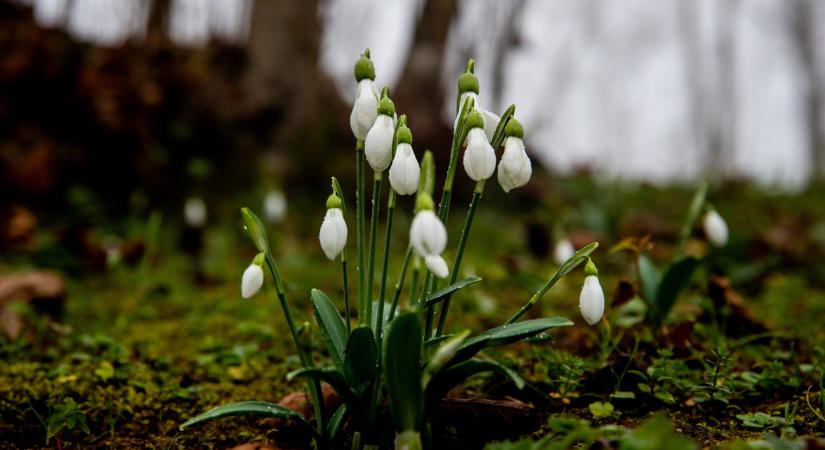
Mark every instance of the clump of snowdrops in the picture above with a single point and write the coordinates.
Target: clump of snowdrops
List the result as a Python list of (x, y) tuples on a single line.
[(396, 353)]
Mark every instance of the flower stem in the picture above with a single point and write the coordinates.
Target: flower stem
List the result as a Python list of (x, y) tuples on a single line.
[(346, 290), (382, 292), (376, 197), (360, 225), (306, 361), (400, 284), (462, 243)]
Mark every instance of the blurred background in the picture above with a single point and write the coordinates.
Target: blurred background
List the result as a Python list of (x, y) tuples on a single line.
[(122, 107)]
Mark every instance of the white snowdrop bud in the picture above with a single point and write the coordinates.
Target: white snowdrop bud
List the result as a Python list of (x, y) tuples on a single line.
[(194, 212), (333, 234), (479, 158), (437, 265), (378, 144), (275, 206), (591, 299), (716, 229), (428, 236), (404, 171), (514, 170), (562, 251), (253, 277), (365, 109)]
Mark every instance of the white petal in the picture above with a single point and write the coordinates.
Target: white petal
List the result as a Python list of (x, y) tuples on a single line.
[(515, 169), (194, 212), (378, 144), (490, 122), (464, 96), (591, 300), (252, 280), (716, 229), (563, 251), (404, 171), (479, 157), (364, 110), (428, 235), (333, 234), (437, 266)]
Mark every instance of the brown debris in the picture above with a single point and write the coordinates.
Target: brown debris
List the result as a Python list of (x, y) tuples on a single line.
[(45, 290)]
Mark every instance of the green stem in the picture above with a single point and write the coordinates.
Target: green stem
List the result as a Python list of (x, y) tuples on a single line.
[(400, 284), (306, 361), (416, 274), (376, 197), (346, 290), (360, 225), (382, 292), (462, 243), (426, 290)]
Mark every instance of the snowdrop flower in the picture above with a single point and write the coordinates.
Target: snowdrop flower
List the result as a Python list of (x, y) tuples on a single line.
[(428, 236), (563, 250), (715, 227), (591, 299), (253, 277), (404, 171), (365, 109), (378, 144), (275, 206), (194, 212), (468, 88), (514, 170), (333, 234), (479, 158)]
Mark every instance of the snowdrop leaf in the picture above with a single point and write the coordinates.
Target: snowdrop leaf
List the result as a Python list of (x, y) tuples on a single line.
[(508, 334), (361, 358), (337, 381), (331, 324), (446, 380), (650, 278), (450, 290), (251, 408), (675, 279), (402, 370), (336, 422)]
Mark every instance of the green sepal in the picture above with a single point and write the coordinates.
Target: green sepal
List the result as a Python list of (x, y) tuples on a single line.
[(255, 230), (514, 129)]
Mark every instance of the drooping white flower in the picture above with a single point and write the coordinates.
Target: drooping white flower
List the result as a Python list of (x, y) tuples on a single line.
[(365, 108), (591, 300), (479, 157), (428, 237), (404, 171), (514, 169), (194, 212), (333, 234), (378, 144), (715, 228), (252, 280), (563, 250), (275, 206), (489, 119)]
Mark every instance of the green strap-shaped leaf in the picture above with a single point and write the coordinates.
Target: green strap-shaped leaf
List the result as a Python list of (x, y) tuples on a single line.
[(402, 370), (361, 358), (331, 324), (449, 290), (507, 334), (675, 279), (335, 379), (445, 381), (251, 408), (650, 278), (336, 422)]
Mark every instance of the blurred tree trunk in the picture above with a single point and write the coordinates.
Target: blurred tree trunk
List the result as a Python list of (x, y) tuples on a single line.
[(803, 24)]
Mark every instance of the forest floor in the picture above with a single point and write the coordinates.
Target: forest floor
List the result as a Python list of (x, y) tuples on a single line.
[(142, 347)]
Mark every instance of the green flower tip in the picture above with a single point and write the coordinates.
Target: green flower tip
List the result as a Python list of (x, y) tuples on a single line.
[(424, 202), (333, 201), (386, 107), (259, 259), (402, 120), (471, 65), (514, 129), (474, 120), (467, 82), (590, 268), (364, 68), (404, 135)]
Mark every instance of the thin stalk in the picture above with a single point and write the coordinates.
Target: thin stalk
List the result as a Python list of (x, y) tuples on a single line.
[(376, 197), (306, 361), (400, 284), (426, 290), (360, 225), (383, 290), (346, 290), (416, 274), (462, 243)]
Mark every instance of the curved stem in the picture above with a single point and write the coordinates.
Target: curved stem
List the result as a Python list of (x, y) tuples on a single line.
[(400, 284), (462, 244), (360, 225), (376, 196)]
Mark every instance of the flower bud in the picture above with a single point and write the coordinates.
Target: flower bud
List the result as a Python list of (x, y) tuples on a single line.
[(715, 228), (275, 206), (194, 212), (428, 237), (333, 234), (437, 265), (404, 171), (378, 144), (591, 299), (253, 277), (365, 109), (563, 250), (364, 68), (514, 170), (479, 158)]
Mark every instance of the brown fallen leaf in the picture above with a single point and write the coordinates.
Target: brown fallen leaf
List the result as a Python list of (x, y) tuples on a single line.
[(45, 290)]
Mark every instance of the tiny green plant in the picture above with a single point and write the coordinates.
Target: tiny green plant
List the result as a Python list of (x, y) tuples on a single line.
[(64, 419), (393, 353)]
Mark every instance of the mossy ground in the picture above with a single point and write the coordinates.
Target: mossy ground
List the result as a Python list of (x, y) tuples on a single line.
[(142, 348)]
